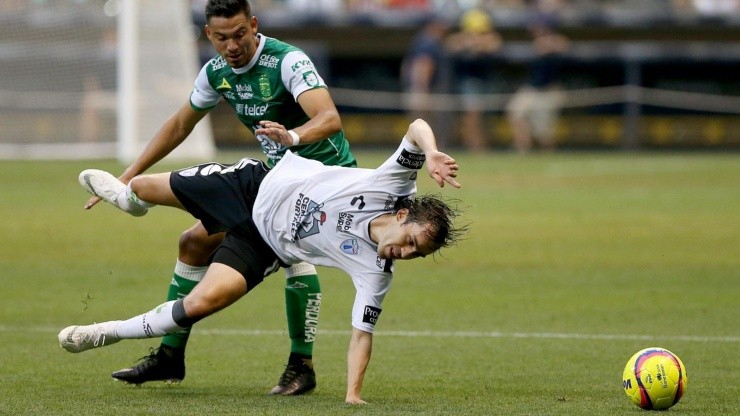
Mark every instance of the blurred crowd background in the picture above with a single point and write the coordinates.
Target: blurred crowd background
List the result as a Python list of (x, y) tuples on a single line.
[(534, 75)]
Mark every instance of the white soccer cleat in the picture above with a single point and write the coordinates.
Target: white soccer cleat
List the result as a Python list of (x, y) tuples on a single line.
[(78, 338), (106, 186)]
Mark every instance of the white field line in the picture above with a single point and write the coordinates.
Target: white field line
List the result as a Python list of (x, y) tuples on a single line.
[(439, 334)]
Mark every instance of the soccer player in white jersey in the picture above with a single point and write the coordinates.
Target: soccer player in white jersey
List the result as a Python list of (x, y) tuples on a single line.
[(358, 220)]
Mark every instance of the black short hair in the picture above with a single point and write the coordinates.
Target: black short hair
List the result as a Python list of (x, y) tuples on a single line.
[(227, 8), (431, 209)]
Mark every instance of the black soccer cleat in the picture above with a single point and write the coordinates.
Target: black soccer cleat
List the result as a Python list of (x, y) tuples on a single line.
[(163, 364), (297, 379)]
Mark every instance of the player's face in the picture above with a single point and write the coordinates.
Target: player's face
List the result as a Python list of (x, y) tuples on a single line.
[(234, 38), (405, 241)]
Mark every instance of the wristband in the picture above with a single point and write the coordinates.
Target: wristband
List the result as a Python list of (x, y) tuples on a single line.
[(294, 136)]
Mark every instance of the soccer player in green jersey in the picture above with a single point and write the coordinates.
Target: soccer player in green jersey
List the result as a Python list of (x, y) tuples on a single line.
[(261, 78)]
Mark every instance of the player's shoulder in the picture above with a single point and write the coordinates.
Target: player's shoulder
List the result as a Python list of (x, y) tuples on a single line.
[(278, 47)]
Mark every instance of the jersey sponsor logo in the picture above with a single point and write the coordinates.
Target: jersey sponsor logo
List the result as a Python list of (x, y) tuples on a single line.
[(218, 63), (389, 204), (265, 88), (302, 64), (311, 79), (244, 91), (268, 61), (224, 85), (410, 160), (384, 264), (253, 110), (344, 222), (371, 314), (307, 218), (360, 199), (350, 246)]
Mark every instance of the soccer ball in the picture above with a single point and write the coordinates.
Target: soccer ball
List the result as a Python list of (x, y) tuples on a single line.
[(654, 379)]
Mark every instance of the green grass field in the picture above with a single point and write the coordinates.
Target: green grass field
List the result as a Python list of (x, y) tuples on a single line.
[(574, 262)]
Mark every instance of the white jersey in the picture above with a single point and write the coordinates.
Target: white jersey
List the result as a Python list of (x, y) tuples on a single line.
[(319, 214)]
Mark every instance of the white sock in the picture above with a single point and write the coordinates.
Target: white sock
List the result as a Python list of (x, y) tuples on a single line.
[(193, 273), (128, 199), (300, 269), (155, 323)]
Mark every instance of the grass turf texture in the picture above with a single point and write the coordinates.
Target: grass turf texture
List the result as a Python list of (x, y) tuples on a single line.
[(573, 263)]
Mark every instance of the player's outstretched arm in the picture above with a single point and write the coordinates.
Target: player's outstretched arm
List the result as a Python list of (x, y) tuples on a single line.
[(441, 166), (358, 357)]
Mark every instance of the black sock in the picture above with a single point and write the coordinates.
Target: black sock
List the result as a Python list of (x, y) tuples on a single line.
[(296, 358)]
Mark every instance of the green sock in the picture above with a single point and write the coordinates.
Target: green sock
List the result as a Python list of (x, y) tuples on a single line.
[(183, 281), (302, 302)]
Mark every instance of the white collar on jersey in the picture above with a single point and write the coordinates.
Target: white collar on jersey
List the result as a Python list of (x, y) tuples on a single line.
[(253, 61)]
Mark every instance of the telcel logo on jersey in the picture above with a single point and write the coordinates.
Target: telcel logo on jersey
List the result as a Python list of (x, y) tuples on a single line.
[(350, 246), (251, 110)]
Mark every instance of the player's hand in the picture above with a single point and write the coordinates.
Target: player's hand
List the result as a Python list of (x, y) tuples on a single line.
[(442, 168), (354, 400), (275, 132), (91, 202)]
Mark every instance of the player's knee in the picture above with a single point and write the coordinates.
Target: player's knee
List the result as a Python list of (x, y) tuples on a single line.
[(194, 248), (197, 307), (138, 186)]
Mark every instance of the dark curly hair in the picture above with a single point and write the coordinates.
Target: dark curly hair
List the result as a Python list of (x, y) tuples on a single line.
[(227, 8), (431, 209)]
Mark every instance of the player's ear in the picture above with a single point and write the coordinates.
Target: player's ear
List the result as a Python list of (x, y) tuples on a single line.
[(401, 214)]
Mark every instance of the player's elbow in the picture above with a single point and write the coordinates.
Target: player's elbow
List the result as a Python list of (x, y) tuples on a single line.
[(332, 122)]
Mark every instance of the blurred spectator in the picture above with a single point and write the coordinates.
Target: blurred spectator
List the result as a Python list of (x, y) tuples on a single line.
[(315, 7), (534, 108), (409, 4), (716, 7), (472, 50), (422, 70)]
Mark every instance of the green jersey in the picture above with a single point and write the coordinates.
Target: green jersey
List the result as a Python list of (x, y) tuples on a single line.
[(267, 89)]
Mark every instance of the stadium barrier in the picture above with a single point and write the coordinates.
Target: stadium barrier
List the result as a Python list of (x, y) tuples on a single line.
[(378, 118)]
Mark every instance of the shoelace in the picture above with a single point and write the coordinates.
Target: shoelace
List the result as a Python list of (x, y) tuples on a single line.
[(149, 360), (100, 340), (97, 338), (290, 374)]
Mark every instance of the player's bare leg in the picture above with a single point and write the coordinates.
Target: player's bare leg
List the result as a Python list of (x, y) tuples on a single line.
[(167, 362)]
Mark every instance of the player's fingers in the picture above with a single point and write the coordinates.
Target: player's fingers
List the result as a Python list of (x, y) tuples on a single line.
[(453, 182), (91, 202)]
